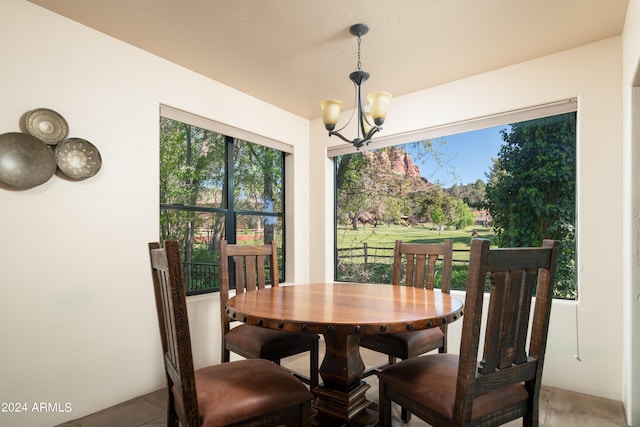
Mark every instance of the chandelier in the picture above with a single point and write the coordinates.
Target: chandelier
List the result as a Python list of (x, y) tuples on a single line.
[(369, 122)]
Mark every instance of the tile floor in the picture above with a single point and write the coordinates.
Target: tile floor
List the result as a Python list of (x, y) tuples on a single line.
[(558, 408)]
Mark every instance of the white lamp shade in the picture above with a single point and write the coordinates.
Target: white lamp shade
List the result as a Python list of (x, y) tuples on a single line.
[(330, 111), (379, 104)]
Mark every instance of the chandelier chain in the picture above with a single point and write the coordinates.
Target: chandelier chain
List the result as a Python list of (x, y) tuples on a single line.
[(359, 65)]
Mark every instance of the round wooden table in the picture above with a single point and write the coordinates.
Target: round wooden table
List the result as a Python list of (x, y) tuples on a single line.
[(342, 312)]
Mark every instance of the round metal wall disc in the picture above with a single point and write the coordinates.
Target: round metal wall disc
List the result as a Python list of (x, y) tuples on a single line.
[(47, 125), (25, 161), (78, 158)]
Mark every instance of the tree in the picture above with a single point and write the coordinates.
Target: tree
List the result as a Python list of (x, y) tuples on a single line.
[(392, 213), (463, 216), (191, 173), (471, 194), (435, 154), (531, 192), (258, 184), (437, 216), (437, 206), (351, 184)]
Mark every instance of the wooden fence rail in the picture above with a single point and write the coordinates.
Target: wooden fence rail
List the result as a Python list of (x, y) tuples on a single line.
[(374, 254)]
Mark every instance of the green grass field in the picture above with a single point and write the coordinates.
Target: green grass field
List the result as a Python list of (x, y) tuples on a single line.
[(366, 254), (383, 236)]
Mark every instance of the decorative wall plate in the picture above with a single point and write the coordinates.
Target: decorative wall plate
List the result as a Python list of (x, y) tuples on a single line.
[(47, 125), (78, 158), (25, 161)]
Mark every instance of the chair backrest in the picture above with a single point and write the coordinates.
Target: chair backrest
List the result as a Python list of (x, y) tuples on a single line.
[(516, 276), (171, 305), (419, 260), (250, 265)]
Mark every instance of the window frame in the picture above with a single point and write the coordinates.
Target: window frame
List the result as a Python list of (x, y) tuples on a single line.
[(232, 136), (521, 115)]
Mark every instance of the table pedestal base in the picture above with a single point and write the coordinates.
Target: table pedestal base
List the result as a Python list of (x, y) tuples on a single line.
[(342, 401), (337, 409), (342, 405)]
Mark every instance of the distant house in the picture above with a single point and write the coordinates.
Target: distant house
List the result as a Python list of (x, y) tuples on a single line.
[(482, 218)]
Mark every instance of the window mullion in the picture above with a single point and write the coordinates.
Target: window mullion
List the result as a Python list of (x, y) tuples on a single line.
[(230, 220)]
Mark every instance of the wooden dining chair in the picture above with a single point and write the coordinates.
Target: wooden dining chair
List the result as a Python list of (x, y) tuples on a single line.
[(457, 390), (250, 265), (242, 393), (414, 264)]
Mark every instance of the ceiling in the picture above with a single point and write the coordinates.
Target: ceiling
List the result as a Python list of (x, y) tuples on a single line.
[(294, 53)]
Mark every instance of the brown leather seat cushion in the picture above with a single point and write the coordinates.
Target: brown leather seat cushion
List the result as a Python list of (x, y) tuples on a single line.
[(431, 380), (261, 341), (412, 342), (235, 391)]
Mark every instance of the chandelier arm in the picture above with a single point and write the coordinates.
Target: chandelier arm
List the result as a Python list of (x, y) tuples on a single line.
[(339, 135), (367, 138), (374, 129), (358, 142), (361, 116)]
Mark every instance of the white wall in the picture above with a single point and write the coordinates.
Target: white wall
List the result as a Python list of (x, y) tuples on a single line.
[(77, 311), (631, 212), (593, 75)]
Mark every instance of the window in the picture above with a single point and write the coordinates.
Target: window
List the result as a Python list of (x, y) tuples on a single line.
[(214, 186), (524, 192)]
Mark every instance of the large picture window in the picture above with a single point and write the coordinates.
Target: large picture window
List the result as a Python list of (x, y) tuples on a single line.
[(523, 191), (215, 186)]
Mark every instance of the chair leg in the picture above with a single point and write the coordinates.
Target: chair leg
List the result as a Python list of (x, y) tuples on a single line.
[(405, 415), (313, 369), (172, 415), (384, 407), (305, 418), (531, 419)]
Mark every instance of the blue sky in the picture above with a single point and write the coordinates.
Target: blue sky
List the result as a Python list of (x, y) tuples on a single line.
[(468, 156)]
